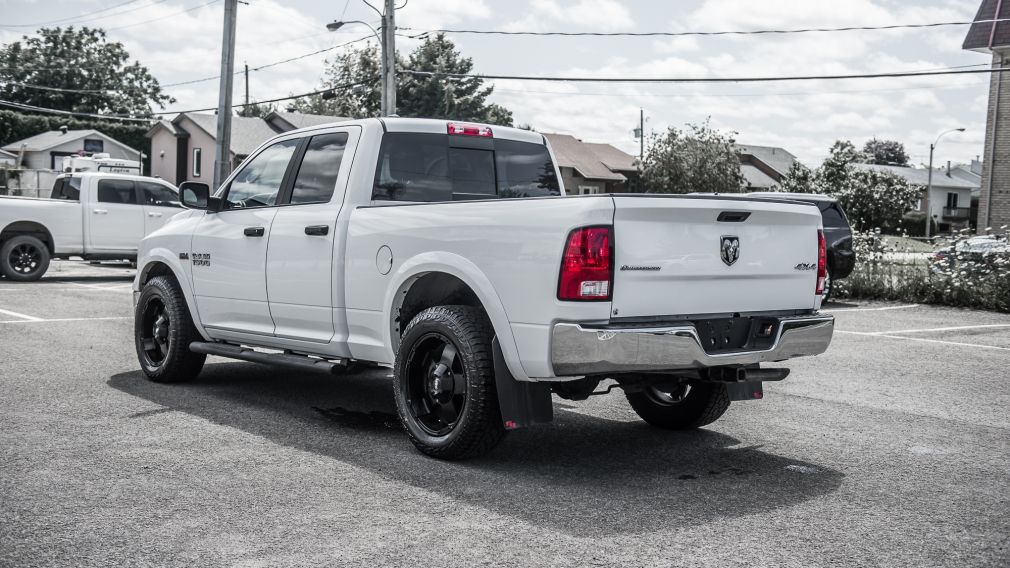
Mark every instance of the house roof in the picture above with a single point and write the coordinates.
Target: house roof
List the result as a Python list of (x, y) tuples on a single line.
[(53, 138), (295, 120), (166, 124), (776, 158), (587, 159), (755, 177), (920, 176), (982, 35), (615, 159), (247, 133)]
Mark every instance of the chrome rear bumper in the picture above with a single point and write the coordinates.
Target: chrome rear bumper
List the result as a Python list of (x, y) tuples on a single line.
[(578, 350)]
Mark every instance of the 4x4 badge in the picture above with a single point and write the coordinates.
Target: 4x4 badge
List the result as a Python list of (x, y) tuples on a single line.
[(729, 249)]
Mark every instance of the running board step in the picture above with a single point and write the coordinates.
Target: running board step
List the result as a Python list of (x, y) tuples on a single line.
[(246, 354)]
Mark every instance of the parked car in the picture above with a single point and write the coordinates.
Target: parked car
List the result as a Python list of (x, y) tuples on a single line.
[(973, 254), (837, 232), (97, 216), (448, 252)]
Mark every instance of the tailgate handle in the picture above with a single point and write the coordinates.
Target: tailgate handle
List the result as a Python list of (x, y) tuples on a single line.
[(733, 216)]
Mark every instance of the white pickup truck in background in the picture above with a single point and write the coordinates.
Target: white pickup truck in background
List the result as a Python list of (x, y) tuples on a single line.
[(96, 216), (449, 252)]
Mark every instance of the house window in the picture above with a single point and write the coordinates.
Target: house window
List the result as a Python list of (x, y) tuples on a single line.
[(92, 146), (197, 166), (588, 190), (951, 201)]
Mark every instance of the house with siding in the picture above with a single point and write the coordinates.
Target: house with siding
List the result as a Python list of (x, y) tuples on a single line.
[(990, 34), (591, 168), (46, 151), (763, 167), (182, 149), (949, 198)]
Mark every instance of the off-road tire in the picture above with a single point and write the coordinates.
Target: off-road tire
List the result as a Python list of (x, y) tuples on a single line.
[(703, 405), (479, 427), (36, 246), (179, 363)]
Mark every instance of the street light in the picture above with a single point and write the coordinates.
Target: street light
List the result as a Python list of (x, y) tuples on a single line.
[(336, 25), (929, 182)]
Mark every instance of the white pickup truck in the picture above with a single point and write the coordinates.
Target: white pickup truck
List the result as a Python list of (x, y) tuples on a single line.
[(449, 252), (97, 216)]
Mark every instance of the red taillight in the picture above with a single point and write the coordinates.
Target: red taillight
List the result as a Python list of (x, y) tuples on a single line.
[(587, 267), (822, 262), (466, 129)]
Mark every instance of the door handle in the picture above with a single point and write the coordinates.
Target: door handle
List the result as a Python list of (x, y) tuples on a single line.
[(254, 231), (317, 230), (153, 214), (101, 211)]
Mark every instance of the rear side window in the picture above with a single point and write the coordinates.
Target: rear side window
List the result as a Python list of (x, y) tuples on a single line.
[(117, 191), (425, 168), (317, 174), (834, 218), (67, 188)]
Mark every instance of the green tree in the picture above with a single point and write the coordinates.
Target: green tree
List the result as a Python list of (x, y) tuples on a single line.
[(256, 110), (885, 152), (79, 71), (699, 159), (430, 96), (875, 199), (834, 172), (799, 179)]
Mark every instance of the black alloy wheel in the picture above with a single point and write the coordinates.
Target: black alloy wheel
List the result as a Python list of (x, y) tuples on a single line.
[(155, 336), (24, 258), (436, 384)]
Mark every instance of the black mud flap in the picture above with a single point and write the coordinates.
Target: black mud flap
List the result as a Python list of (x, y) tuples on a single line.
[(522, 403), (745, 391)]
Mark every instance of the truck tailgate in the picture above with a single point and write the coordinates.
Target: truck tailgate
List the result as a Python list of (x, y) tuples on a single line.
[(670, 259)]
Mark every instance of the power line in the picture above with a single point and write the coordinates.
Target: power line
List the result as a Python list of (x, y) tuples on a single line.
[(33, 108), (706, 79), (736, 95), (268, 65), (172, 15), (703, 33), (75, 19)]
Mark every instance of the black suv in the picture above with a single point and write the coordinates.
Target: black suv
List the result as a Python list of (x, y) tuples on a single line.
[(837, 233)]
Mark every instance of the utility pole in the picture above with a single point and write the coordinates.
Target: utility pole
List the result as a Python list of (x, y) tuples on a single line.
[(222, 154), (929, 181), (246, 107), (389, 55), (641, 129)]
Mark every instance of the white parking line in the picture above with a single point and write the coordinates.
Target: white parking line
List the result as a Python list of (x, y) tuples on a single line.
[(958, 343), (932, 329), (113, 288), (22, 316), (39, 320), (886, 308)]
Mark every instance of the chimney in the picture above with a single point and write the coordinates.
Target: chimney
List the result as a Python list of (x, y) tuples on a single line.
[(63, 130), (948, 168)]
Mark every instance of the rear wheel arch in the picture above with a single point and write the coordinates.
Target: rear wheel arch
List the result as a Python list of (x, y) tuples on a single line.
[(427, 290), (31, 228)]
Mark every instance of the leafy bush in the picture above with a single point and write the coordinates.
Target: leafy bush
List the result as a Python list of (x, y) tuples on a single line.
[(913, 224), (891, 273)]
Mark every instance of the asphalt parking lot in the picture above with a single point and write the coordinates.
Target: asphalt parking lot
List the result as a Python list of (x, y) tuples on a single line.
[(892, 449)]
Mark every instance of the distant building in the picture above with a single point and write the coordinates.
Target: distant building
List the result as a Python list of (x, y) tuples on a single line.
[(763, 167), (183, 149), (7, 159), (993, 37), (590, 168), (46, 151), (949, 199)]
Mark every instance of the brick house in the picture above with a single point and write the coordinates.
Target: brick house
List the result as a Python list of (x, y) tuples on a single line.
[(994, 38)]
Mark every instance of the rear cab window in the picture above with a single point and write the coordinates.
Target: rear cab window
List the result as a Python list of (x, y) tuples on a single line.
[(425, 167), (68, 188)]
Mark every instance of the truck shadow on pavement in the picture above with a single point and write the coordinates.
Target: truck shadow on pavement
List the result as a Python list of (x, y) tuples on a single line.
[(582, 475)]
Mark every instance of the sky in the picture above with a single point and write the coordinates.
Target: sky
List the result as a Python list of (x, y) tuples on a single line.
[(183, 43)]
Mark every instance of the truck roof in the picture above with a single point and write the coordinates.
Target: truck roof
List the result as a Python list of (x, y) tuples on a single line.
[(428, 125), (112, 175)]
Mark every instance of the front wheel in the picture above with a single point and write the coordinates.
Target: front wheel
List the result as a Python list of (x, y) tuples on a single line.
[(24, 258), (163, 330), (684, 407), (444, 383)]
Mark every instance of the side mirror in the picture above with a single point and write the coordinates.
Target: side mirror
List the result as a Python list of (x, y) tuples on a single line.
[(194, 195)]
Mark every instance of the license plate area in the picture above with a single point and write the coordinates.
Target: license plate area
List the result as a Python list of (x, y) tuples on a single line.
[(728, 335)]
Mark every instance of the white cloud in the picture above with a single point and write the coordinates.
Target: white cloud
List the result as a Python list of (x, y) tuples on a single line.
[(588, 15)]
